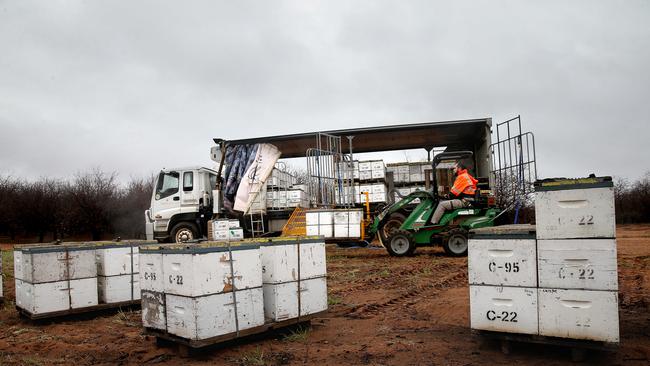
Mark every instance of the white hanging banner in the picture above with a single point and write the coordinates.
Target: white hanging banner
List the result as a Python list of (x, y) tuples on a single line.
[(256, 175)]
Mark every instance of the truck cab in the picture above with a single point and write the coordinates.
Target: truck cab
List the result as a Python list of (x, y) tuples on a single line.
[(181, 204)]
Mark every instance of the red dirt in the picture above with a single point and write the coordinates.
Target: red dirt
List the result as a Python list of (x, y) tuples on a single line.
[(386, 311)]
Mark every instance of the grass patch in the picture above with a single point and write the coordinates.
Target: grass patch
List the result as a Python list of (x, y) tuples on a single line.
[(300, 334), (333, 300), (253, 358), (351, 275), (8, 263), (124, 318), (384, 273)]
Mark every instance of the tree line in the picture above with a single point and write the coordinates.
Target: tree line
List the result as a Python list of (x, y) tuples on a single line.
[(94, 206), (90, 206)]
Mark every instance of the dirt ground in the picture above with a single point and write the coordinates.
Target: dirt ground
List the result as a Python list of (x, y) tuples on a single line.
[(383, 311)]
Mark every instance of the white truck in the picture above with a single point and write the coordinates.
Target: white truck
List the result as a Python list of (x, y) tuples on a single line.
[(181, 204)]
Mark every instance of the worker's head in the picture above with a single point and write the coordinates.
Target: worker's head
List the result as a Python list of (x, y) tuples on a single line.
[(459, 166)]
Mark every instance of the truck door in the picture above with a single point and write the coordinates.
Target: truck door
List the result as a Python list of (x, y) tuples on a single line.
[(191, 192), (166, 202)]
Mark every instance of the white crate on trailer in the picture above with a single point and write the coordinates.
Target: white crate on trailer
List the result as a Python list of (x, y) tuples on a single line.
[(503, 309), (579, 314), (578, 208), (503, 256), (588, 264), (320, 222), (347, 223)]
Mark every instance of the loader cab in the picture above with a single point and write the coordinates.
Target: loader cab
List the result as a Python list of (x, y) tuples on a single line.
[(181, 203)]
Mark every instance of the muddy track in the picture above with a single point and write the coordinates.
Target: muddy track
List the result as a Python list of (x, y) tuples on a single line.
[(408, 298), (393, 278)]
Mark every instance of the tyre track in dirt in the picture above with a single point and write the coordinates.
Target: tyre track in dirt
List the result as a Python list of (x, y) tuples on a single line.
[(408, 298), (393, 278)]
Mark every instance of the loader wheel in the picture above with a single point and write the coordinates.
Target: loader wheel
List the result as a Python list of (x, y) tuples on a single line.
[(183, 232), (455, 243), (400, 244), (391, 226)]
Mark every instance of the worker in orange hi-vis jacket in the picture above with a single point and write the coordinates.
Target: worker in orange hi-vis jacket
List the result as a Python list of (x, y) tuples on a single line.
[(463, 192)]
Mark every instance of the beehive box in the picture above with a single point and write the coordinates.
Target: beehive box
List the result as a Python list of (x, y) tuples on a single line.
[(204, 317), (153, 310), (504, 309), (294, 271), (53, 278), (578, 264), (280, 261), (57, 296), (579, 314), (189, 291), (116, 289), (50, 263), (291, 300), (206, 269), (575, 208), (118, 267), (503, 256)]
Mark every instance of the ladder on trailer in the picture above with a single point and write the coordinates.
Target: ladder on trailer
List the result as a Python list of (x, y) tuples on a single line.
[(257, 209)]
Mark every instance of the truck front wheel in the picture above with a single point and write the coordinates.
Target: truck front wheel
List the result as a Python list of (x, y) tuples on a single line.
[(184, 231)]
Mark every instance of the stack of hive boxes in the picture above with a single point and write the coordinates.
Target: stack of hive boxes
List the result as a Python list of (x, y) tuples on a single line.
[(55, 278), (374, 170), (560, 282), (294, 276), (202, 291), (346, 189), (118, 271), (214, 289), (404, 173), (576, 250), (502, 269)]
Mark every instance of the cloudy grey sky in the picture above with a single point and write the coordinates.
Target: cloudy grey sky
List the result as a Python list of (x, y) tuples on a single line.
[(132, 86)]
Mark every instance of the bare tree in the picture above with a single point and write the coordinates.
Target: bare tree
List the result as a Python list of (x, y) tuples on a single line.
[(92, 203)]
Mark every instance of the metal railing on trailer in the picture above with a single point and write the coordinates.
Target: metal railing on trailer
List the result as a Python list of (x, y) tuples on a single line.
[(514, 167)]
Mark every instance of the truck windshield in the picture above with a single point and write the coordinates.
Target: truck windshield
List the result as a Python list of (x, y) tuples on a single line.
[(167, 184)]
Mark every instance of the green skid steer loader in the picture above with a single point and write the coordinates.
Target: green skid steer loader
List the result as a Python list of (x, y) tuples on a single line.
[(401, 229)]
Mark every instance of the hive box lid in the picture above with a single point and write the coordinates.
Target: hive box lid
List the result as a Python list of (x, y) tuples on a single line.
[(290, 240), (561, 184), (196, 248), (517, 231), (86, 245)]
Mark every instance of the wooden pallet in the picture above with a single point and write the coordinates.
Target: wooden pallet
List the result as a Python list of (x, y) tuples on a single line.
[(84, 310), (185, 345), (578, 347)]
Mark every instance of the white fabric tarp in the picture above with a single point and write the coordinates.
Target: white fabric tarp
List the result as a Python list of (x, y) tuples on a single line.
[(256, 175)]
